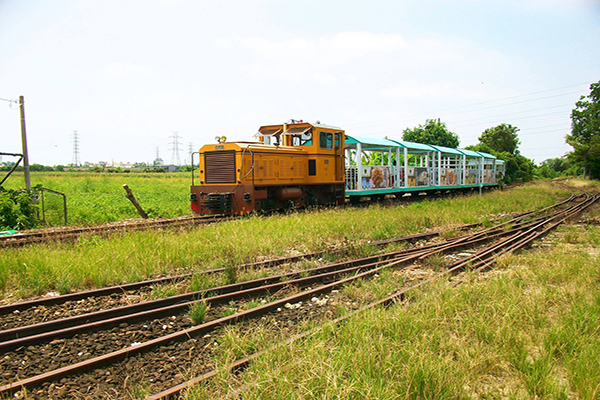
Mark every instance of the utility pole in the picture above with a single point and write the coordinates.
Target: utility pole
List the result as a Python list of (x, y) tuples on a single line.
[(24, 143)]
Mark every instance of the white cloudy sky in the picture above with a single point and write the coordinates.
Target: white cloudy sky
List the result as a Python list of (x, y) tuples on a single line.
[(127, 74)]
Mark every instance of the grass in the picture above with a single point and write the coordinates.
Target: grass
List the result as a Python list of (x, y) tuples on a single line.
[(129, 257), (163, 291), (197, 312), (529, 329), (94, 198)]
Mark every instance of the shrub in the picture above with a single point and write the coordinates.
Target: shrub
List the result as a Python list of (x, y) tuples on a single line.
[(16, 210)]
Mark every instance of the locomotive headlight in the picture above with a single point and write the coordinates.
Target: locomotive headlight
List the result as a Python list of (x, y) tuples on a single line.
[(223, 139)]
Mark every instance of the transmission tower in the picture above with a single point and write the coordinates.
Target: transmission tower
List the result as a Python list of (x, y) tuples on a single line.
[(158, 161), (76, 160), (175, 159), (190, 151)]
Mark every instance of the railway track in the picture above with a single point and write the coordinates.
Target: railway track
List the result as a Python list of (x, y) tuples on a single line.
[(34, 236), (86, 349), (480, 260), (46, 235)]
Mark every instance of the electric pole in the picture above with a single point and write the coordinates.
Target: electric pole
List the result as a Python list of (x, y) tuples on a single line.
[(24, 143)]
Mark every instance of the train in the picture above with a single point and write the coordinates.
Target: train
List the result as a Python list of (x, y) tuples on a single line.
[(299, 164)]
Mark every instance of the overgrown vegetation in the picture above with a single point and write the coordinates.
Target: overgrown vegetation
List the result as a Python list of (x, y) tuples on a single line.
[(585, 132), (16, 210), (528, 329), (556, 168), (197, 312), (127, 257)]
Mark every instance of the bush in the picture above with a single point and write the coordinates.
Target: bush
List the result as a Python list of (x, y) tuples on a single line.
[(16, 210)]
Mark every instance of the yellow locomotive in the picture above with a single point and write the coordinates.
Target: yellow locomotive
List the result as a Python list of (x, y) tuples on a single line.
[(293, 164)]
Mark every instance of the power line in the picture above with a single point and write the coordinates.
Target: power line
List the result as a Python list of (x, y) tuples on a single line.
[(387, 121), (508, 114), (512, 119), (469, 125)]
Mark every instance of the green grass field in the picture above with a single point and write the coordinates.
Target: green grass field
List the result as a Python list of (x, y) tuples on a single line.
[(95, 198)]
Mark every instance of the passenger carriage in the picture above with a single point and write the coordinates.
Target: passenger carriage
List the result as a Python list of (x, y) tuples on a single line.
[(299, 164)]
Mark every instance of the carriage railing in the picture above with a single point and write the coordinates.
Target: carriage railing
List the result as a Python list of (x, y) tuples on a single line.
[(383, 177)]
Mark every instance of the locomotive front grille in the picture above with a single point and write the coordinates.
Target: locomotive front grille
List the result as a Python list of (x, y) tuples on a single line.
[(219, 166), (218, 202)]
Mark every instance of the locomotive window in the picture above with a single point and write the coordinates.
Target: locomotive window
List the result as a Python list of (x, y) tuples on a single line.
[(337, 141), (326, 140), (306, 139), (271, 139), (296, 141)]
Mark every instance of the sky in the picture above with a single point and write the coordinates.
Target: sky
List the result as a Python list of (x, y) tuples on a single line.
[(130, 75)]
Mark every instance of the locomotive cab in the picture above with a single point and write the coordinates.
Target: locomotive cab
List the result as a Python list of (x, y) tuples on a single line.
[(292, 165)]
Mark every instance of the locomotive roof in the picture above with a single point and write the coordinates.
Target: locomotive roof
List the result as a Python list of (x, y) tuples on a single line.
[(320, 125), (295, 125)]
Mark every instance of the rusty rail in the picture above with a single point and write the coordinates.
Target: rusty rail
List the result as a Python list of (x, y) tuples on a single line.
[(524, 232), (504, 247)]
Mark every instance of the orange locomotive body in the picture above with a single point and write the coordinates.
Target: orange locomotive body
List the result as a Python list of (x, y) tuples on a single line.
[(294, 164)]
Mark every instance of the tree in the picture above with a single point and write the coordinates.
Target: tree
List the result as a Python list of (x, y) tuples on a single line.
[(502, 142), (433, 132), (585, 132), (559, 164), (501, 138)]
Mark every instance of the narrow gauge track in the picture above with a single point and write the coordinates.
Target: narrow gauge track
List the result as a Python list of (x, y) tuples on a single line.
[(11, 339), (478, 261), (70, 233), (511, 233), (120, 289), (20, 308)]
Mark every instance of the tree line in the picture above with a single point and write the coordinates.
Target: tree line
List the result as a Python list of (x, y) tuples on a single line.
[(503, 142)]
